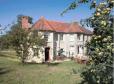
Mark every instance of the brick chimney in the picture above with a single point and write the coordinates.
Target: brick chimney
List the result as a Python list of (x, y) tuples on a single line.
[(25, 23)]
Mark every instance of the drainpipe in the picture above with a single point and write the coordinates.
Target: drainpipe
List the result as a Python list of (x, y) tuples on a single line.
[(59, 41)]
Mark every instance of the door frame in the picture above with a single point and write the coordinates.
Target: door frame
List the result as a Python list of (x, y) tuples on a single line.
[(47, 54)]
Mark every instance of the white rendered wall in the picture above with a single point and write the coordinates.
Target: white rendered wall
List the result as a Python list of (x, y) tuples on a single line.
[(50, 43), (69, 44)]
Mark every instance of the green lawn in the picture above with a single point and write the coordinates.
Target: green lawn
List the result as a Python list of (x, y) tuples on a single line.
[(13, 72)]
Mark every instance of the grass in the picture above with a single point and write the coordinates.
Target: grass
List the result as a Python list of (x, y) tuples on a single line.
[(13, 72)]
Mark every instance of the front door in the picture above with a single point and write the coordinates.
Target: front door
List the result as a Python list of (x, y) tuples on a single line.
[(47, 53)]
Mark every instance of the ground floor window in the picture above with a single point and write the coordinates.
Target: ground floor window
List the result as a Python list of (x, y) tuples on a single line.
[(60, 52), (80, 49)]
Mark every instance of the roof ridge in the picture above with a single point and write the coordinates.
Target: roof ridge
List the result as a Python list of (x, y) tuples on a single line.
[(58, 21)]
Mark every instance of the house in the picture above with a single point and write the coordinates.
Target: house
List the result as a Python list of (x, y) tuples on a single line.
[(66, 39)]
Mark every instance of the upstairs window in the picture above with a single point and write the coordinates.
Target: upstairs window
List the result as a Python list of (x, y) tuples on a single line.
[(83, 38), (71, 37), (46, 35), (71, 45), (56, 37), (79, 37), (61, 36)]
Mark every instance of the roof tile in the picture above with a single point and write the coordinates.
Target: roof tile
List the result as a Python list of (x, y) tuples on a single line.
[(47, 25)]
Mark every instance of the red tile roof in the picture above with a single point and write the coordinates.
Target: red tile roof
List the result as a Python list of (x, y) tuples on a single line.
[(47, 25)]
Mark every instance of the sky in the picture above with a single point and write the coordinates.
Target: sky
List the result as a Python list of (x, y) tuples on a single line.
[(50, 9)]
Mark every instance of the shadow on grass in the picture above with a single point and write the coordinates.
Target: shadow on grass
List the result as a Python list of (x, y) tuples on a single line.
[(4, 71), (52, 64), (5, 55), (43, 63)]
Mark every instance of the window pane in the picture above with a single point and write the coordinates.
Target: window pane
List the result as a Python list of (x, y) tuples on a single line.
[(61, 36)]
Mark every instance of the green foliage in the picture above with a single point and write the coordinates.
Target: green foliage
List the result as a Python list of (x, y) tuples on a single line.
[(19, 40), (5, 42), (18, 35), (4, 38), (100, 48), (22, 40)]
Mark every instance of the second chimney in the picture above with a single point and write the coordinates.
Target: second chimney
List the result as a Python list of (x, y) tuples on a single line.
[(24, 22)]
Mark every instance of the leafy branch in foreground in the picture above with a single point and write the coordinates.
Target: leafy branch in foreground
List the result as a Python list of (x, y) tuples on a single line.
[(101, 47), (24, 40)]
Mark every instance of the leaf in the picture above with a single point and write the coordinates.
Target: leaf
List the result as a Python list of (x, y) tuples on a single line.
[(93, 5)]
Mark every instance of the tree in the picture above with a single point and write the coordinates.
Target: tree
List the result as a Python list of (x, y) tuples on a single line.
[(100, 49), (4, 38), (22, 40), (5, 42)]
